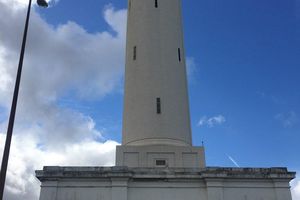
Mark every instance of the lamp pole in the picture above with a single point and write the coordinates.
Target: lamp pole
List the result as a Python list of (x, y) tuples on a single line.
[(5, 157)]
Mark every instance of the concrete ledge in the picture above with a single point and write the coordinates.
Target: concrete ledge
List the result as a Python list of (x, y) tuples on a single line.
[(56, 173)]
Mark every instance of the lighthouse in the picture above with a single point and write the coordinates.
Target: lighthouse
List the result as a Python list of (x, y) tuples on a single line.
[(156, 159), (156, 118)]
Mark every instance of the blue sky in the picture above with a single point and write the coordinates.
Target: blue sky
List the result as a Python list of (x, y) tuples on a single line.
[(244, 69), (247, 69)]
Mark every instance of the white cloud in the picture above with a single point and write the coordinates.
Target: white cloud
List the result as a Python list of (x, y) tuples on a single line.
[(211, 121), (58, 60), (288, 119), (64, 57), (296, 189), (113, 19), (191, 69), (21, 4), (27, 156)]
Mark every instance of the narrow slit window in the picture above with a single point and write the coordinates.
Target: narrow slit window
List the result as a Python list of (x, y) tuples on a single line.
[(129, 5), (179, 54), (134, 53), (158, 106), (156, 3)]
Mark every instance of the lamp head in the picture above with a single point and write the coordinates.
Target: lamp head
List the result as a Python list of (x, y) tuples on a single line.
[(42, 3)]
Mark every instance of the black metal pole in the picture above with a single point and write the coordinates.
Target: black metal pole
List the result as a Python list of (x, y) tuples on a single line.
[(13, 109)]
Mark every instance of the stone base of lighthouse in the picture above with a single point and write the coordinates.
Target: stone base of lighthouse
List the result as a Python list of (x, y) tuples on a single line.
[(160, 156), (123, 183)]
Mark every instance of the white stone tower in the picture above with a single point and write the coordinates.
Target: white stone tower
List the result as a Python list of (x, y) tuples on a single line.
[(156, 107), (156, 120), (157, 160)]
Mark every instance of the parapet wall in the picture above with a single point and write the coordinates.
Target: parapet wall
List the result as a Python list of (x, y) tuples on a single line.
[(123, 183)]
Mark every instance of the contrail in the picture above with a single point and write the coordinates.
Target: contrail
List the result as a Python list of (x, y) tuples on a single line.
[(233, 161)]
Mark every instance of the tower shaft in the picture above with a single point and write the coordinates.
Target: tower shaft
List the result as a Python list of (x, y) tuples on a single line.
[(156, 107), (156, 119)]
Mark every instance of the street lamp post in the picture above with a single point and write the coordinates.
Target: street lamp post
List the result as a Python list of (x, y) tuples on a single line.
[(5, 157)]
